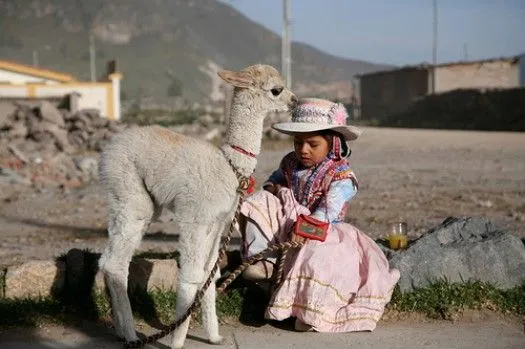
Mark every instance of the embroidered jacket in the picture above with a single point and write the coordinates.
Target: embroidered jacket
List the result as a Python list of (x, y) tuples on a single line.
[(325, 189)]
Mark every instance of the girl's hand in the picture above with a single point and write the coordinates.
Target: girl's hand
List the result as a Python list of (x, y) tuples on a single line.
[(272, 188), (298, 238)]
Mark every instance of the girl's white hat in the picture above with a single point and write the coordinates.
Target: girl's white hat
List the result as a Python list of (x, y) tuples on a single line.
[(314, 114)]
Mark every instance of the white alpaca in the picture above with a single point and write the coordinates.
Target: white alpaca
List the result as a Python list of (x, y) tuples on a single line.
[(147, 169)]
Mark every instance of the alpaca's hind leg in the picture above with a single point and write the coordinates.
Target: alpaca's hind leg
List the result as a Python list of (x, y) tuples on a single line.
[(193, 258), (126, 228)]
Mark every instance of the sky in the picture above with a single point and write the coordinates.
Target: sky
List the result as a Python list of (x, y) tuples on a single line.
[(399, 32)]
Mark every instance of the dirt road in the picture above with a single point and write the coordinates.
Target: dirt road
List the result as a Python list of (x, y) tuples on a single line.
[(422, 176), (390, 335)]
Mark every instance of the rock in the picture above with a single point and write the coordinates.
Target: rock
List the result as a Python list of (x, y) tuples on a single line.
[(461, 249), (88, 166), (153, 274), (78, 138), (18, 130), (83, 122), (148, 274), (91, 113), (11, 177), (50, 113), (114, 126), (6, 112), (38, 130), (100, 122), (23, 112), (34, 279), (18, 153)]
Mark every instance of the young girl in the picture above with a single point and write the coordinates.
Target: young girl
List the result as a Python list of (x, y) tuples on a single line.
[(343, 283)]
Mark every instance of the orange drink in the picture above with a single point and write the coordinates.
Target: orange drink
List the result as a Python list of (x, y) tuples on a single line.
[(397, 241)]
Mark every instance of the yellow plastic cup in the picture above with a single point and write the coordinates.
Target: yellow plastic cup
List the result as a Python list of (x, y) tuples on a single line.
[(397, 241)]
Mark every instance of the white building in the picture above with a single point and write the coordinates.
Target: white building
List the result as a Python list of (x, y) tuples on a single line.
[(26, 82)]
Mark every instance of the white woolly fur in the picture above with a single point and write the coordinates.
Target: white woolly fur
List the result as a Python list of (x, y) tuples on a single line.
[(148, 169)]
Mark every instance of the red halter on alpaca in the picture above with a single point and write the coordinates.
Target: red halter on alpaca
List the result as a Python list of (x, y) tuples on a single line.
[(243, 151)]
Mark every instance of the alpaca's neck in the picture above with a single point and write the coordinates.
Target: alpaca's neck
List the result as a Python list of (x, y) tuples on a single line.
[(244, 130)]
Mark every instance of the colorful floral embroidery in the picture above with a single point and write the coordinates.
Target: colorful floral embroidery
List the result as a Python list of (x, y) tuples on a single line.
[(310, 187)]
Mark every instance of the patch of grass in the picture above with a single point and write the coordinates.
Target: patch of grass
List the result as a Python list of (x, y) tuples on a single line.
[(156, 304), (442, 299), (230, 303), (102, 303)]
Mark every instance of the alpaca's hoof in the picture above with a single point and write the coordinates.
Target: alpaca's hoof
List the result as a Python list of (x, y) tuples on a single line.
[(216, 340)]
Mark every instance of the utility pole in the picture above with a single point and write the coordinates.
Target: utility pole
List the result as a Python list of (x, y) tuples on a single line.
[(434, 46), (286, 49), (35, 58), (465, 51), (92, 57)]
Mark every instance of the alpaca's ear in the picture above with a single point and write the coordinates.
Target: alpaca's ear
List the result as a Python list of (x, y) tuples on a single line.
[(238, 79)]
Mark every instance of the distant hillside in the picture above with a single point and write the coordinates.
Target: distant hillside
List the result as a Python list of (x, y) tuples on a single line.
[(163, 47)]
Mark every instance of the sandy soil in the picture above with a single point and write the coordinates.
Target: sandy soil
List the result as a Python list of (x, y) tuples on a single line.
[(421, 176)]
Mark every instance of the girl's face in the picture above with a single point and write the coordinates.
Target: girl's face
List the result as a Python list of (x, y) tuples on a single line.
[(311, 148)]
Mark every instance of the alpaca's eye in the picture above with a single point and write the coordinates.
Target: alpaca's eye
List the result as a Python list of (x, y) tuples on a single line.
[(276, 91)]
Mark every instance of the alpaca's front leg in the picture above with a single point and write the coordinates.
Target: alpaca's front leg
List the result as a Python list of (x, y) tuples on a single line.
[(209, 307), (191, 275), (209, 313), (185, 295)]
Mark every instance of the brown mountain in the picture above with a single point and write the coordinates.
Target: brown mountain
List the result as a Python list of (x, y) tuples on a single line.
[(163, 47)]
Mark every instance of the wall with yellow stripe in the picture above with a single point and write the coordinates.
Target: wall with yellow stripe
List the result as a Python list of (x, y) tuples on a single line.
[(98, 95)]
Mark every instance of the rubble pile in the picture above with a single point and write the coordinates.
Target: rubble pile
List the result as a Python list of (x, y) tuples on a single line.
[(42, 145)]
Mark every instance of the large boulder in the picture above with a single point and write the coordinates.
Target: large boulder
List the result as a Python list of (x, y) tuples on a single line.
[(461, 249)]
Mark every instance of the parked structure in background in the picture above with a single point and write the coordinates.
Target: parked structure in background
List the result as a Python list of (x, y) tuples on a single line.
[(393, 91), (23, 82)]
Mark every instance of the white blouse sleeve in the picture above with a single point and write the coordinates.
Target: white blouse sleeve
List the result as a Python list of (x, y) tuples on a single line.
[(338, 194)]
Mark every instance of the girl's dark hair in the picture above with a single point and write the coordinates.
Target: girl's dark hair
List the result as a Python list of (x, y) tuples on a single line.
[(328, 134)]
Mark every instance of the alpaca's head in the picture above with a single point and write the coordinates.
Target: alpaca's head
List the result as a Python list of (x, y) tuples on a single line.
[(261, 87)]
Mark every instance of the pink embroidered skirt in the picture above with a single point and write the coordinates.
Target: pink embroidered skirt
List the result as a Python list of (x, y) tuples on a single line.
[(339, 285)]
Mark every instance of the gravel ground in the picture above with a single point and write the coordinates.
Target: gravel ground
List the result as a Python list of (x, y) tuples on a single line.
[(420, 176)]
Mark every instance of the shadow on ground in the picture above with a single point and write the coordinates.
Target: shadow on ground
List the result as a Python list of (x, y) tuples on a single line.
[(87, 312), (86, 232)]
